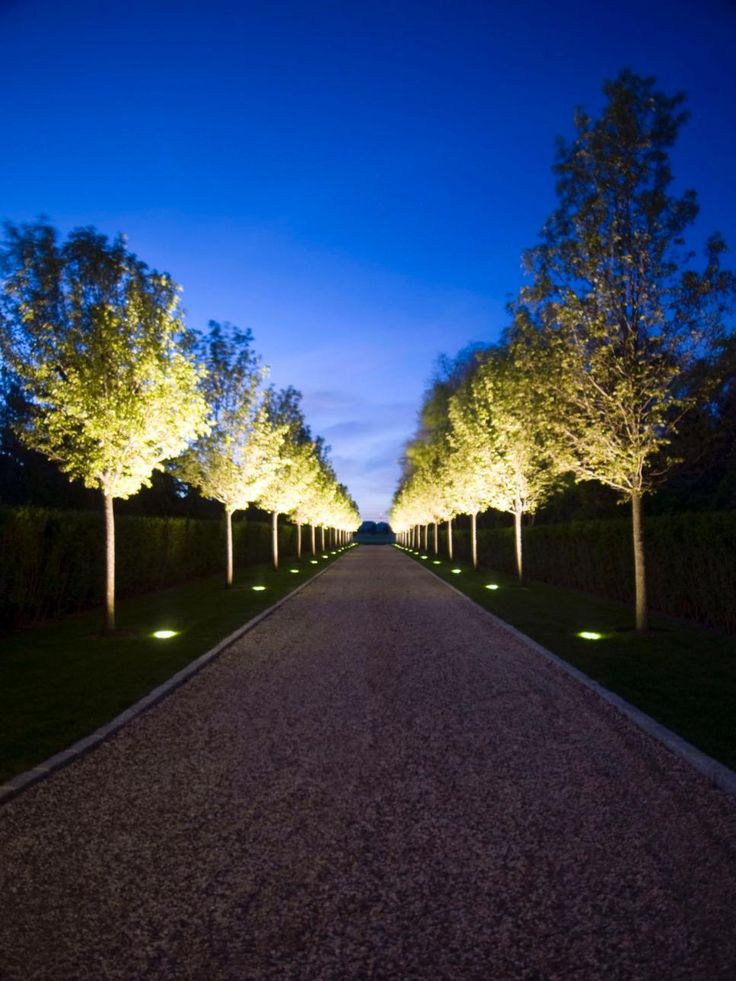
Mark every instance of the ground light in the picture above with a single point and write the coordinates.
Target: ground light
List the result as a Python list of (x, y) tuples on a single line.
[(492, 585), (590, 635), (314, 561), (423, 556), (293, 570), (258, 589), (436, 562), (164, 634), (457, 571)]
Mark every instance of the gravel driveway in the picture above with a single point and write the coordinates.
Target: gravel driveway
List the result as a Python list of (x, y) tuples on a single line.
[(375, 782)]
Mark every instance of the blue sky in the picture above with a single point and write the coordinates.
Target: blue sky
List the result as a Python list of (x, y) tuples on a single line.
[(355, 182)]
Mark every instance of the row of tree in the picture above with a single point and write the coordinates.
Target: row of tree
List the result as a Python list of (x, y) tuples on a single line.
[(615, 341), (114, 386)]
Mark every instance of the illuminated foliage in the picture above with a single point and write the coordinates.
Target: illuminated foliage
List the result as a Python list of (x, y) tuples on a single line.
[(293, 470), (96, 341), (500, 459), (234, 461), (616, 313)]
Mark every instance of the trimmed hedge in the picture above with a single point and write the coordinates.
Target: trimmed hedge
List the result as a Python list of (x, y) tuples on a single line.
[(691, 560), (53, 561)]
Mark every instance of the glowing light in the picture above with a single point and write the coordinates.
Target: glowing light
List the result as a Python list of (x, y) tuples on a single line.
[(436, 562), (164, 634), (293, 570), (258, 589), (492, 585), (590, 635), (457, 571), (423, 556), (325, 556), (314, 561)]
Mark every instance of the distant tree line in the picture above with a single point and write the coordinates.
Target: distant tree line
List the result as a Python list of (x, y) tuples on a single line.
[(103, 383), (616, 372)]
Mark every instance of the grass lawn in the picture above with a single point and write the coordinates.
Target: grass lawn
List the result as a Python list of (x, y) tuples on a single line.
[(61, 681), (681, 674)]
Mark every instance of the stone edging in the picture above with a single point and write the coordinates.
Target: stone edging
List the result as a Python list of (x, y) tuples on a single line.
[(43, 770), (718, 773)]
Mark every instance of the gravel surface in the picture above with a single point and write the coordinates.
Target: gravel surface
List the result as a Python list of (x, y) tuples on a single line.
[(375, 782)]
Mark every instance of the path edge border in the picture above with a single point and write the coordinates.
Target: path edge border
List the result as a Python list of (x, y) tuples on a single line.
[(713, 770), (41, 771)]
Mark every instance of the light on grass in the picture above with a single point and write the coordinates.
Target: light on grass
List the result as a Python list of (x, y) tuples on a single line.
[(258, 589), (293, 570), (590, 635), (457, 571), (423, 556), (492, 585), (325, 556), (164, 634), (436, 562), (314, 561)]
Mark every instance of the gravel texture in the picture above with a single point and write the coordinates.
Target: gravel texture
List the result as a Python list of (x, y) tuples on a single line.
[(375, 782)]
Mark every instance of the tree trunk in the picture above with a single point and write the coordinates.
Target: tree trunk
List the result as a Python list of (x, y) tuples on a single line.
[(474, 539), (314, 540), (640, 577), (517, 537), (425, 536), (109, 564), (436, 539), (298, 541), (322, 537), (449, 539), (275, 539), (228, 548)]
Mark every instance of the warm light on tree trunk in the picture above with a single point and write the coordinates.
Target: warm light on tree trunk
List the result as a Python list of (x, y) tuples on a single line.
[(314, 540), (228, 547), (436, 538), (474, 538), (109, 564), (275, 538), (449, 538), (298, 540), (640, 579), (517, 539)]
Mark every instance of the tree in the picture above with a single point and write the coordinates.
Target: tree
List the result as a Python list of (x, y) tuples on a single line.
[(616, 312), (428, 492), (234, 461), (497, 434), (95, 339), (294, 472)]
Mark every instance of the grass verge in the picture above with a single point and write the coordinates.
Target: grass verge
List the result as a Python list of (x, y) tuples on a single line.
[(683, 675), (61, 681)]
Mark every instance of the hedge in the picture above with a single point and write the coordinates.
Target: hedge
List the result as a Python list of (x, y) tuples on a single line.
[(53, 560), (691, 560)]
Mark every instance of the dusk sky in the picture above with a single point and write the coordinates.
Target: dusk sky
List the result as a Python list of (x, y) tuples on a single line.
[(355, 182)]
